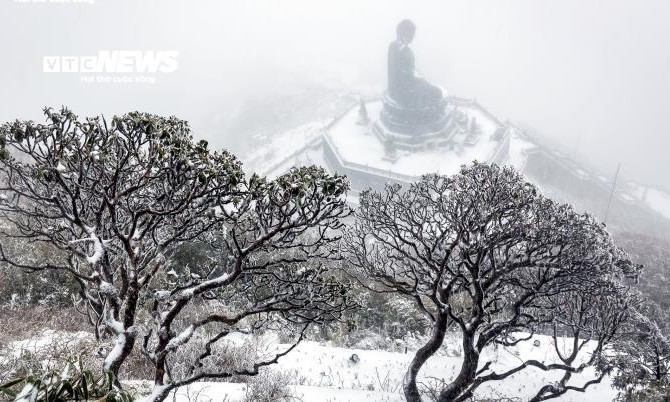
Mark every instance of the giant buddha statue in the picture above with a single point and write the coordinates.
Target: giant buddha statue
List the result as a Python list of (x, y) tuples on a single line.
[(412, 105)]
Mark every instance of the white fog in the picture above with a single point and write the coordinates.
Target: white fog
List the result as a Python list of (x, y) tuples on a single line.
[(592, 76)]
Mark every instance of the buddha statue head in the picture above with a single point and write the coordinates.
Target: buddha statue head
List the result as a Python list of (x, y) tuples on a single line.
[(405, 31)]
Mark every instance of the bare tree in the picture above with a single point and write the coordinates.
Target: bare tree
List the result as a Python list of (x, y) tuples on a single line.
[(116, 198), (484, 253)]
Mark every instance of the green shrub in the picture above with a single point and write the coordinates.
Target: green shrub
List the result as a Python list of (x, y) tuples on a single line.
[(652, 392), (73, 383)]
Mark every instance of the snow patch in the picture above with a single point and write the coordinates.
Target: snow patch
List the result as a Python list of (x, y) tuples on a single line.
[(659, 201)]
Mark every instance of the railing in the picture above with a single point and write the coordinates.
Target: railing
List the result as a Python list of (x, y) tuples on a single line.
[(502, 150)]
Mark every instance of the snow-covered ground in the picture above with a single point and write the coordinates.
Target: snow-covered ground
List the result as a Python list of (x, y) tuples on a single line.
[(321, 372), (46, 339), (326, 373)]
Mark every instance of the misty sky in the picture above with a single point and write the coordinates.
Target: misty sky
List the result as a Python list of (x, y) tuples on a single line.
[(591, 75)]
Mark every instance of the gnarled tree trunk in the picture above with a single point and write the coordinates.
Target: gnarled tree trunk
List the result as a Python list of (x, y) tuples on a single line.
[(422, 355)]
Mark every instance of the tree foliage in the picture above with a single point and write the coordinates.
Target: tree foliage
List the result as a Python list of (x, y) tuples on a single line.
[(115, 199), (643, 354)]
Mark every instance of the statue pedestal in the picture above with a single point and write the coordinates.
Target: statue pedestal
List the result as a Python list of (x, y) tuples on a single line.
[(411, 119), (414, 128)]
